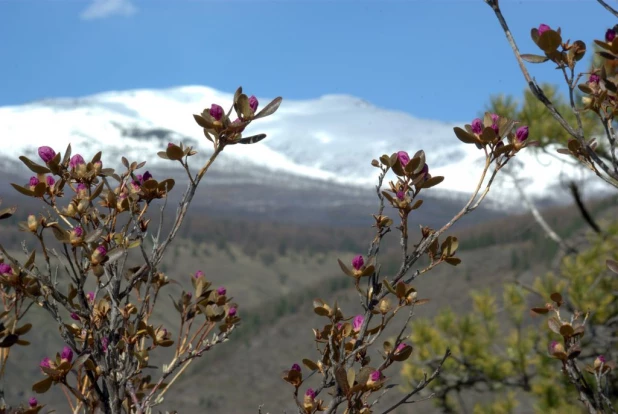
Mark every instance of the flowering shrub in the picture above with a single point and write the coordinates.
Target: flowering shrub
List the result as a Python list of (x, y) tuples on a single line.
[(95, 218), (348, 375)]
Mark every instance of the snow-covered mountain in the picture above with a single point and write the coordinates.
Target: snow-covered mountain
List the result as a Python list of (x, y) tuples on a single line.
[(327, 140)]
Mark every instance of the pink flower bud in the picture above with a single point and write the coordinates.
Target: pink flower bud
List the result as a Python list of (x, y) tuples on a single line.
[(221, 291), (310, 393), (46, 153), (45, 362), (401, 195), (74, 316), (198, 274), (522, 133), (104, 343), (232, 312), (358, 262), (357, 323), (376, 376), (543, 28), (90, 296), (32, 402), (147, 176), (67, 354), (404, 158), (594, 78), (295, 367), (5, 269), (216, 112), (50, 181), (477, 126), (610, 35), (76, 160), (33, 181), (253, 103)]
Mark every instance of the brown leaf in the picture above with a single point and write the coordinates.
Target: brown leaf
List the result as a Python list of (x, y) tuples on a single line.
[(534, 58)]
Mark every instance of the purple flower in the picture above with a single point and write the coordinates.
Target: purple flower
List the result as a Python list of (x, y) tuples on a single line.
[(610, 35), (376, 376), (216, 112), (90, 296), (404, 158), (339, 325), (477, 126), (47, 154), (101, 250), (140, 178), (104, 343), (552, 346), (147, 176), (543, 28), (221, 291), (358, 322), (521, 134), (67, 354), (594, 78), (253, 103), (198, 274), (78, 231), (295, 367), (32, 402), (601, 359), (74, 316), (232, 312), (76, 160), (400, 347), (33, 181), (401, 195), (50, 181), (310, 393), (358, 262), (45, 362), (169, 144), (5, 269)]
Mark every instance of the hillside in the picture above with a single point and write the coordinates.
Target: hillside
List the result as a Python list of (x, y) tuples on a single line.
[(274, 272)]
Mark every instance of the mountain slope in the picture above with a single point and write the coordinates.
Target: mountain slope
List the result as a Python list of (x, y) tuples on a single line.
[(330, 140)]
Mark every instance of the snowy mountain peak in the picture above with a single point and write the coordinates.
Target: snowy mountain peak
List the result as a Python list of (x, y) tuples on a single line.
[(333, 138)]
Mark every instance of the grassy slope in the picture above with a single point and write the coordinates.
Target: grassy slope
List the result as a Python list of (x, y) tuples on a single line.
[(276, 332)]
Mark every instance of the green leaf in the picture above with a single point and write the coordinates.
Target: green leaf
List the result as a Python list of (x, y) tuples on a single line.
[(345, 269), (23, 190), (269, 109), (312, 366), (42, 386), (433, 181), (7, 212), (549, 41), (36, 168), (243, 108), (534, 58), (174, 152), (252, 139), (465, 136)]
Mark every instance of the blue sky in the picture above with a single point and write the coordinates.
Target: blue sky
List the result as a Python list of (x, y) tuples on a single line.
[(434, 59)]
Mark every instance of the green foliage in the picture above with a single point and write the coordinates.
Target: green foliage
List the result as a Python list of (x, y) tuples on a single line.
[(499, 347)]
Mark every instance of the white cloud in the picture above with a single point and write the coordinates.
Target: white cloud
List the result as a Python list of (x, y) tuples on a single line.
[(100, 9)]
